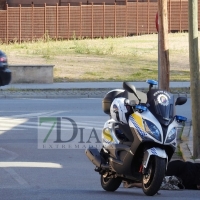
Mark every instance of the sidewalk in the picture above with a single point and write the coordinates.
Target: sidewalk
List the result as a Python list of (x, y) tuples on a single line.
[(92, 90), (186, 145), (76, 89), (87, 85)]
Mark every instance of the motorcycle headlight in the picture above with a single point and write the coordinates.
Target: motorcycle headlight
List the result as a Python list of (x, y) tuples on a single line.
[(171, 135), (152, 129)]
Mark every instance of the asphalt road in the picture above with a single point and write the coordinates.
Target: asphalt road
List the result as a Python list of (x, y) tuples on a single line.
[(27, 172)]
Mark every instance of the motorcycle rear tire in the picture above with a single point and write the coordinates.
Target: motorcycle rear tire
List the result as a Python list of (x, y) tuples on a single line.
[(110, 184), (156, 172)]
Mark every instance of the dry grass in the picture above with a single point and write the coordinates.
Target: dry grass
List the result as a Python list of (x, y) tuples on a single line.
[(113, 59)]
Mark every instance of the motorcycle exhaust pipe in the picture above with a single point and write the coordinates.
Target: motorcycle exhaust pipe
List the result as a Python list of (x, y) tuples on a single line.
[(95, 157)]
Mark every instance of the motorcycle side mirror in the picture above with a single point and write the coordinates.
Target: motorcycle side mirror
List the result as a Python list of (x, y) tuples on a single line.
[(180, 101), (132, 103), (129, 102), (130, 88)]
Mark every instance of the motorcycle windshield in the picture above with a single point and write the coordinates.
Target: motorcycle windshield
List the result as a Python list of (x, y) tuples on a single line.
[(161, 105)]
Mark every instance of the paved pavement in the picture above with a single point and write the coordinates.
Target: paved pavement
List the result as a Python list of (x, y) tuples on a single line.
[(76, 89), (92, 90), (83, 85), (186, 145)]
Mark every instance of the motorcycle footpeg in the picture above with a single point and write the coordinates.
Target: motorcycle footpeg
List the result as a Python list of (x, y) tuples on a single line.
[(97, 169)]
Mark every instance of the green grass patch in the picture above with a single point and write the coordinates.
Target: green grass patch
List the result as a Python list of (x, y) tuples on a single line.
[(113, 59)]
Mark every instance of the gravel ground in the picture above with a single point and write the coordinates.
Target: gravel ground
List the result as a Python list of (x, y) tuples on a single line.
[(64, 93)]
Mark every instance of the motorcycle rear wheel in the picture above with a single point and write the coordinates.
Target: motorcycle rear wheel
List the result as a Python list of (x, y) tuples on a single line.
[(156, 172), (110, 184)]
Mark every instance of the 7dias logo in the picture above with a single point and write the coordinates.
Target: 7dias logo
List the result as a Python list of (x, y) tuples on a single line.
[(67, 133)]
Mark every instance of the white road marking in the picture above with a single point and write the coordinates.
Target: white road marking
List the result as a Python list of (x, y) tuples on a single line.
[(30, 165), (12, 154), (22, 122), (13, 129), (11, 123), (31, 115), (12, 172), (34, 115), (10, 164), (17, 177)]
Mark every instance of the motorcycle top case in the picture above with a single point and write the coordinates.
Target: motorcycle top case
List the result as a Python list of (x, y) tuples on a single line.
[(111, 95), (108, 99)]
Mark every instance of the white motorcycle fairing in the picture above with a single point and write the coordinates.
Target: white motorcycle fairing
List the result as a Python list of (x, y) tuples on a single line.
[(136, 122), (171, 136), (108, 133), (155, 151)]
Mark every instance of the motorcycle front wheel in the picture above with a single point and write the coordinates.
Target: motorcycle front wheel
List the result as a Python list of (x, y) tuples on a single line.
[(110, 184), (154, 177)]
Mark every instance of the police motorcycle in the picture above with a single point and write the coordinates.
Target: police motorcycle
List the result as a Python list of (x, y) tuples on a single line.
[(139, 139)]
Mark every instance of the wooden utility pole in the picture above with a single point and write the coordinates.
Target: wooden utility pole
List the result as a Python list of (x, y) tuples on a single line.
[(194, 74), (164, 65)]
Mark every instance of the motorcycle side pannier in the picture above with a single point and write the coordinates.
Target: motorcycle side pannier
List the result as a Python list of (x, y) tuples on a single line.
[(108, 99)]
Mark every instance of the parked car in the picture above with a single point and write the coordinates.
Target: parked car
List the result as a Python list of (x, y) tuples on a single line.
[(5, 73)]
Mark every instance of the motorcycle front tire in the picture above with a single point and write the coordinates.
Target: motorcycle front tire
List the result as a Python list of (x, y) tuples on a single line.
[(153, 179), (110, 184)]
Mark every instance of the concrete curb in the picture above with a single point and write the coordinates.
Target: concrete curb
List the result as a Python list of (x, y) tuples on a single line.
[(54, 93), (184, 148), (186, 144), (186, 154), (49, 96)]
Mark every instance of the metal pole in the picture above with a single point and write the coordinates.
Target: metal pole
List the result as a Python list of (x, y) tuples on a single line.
[(157, 26), (137, 16), (81, 20), (194, 74), (126, 18), (69, 20), (115, 23), (6, 23), (20, 24), (180, 22), (57, 21), (104, 19), (32, 21), (158, 60), (45, 22), (92, 25), (148, 17)]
